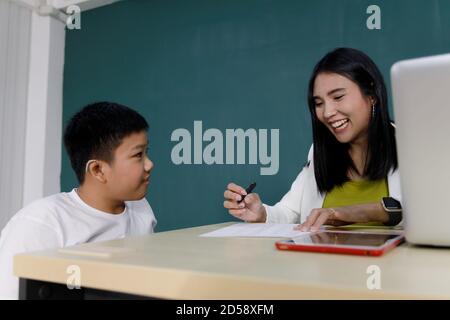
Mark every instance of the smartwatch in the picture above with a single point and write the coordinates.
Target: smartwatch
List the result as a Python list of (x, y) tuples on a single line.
[(394, 210)]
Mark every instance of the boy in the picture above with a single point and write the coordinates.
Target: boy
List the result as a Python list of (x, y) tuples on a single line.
[(107, 146)]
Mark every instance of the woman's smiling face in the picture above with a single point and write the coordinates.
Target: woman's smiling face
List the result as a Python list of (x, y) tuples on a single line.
[(342, 107)]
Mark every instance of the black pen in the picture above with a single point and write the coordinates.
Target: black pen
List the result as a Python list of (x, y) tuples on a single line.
[(248, 190)]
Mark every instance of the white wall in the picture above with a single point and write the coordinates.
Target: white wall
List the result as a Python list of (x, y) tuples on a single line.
[(42, 166), (15, 34), (31, 82), (31, 75)]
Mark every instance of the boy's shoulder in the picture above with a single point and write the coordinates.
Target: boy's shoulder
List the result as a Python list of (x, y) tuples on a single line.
[(53, 210), (138, 203), (140, 206), (46, 209), (142, 213)]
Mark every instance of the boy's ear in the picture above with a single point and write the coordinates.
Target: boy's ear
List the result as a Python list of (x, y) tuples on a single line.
[(97, 170)]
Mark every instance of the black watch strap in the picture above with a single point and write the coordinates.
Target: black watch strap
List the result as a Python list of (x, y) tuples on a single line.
[(394, 210), (394, 218)]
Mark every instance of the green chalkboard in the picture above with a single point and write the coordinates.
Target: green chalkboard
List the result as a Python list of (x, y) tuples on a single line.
[(229, 64)]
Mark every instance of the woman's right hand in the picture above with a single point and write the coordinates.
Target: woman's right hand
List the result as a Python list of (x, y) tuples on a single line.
[(249, 210)]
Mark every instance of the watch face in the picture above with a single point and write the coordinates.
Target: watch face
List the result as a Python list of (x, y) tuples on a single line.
[(391, 203)]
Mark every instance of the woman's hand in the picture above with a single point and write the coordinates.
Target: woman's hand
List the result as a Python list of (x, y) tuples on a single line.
[(250, 210), (339, 216)]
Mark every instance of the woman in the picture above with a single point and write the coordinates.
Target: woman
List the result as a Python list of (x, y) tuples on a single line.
[(352, 164)]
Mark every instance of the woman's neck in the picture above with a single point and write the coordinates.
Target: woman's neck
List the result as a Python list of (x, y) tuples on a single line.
[(358, 153)]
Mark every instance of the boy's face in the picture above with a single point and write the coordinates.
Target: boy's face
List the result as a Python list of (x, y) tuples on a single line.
[(129, 174)]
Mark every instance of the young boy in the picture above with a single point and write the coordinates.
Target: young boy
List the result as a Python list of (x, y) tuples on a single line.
[(107, 145)]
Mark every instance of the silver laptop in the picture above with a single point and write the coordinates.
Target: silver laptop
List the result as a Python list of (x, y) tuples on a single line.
[(421, 93)]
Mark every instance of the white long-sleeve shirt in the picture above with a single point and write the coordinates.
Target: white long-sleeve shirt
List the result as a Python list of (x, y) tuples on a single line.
[(297, 203)]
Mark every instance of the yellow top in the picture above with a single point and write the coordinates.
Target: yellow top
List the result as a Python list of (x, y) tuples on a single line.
[(357, 192)]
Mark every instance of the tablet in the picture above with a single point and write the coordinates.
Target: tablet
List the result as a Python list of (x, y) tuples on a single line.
[(347, 242)]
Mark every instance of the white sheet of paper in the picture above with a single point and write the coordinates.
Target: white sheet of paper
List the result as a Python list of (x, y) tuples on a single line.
[(264, 230)]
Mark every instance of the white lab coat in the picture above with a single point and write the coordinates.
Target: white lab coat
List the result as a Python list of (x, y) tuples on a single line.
[(296, 205)]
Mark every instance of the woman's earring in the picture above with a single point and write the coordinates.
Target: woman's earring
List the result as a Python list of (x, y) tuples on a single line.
[(373, 111)]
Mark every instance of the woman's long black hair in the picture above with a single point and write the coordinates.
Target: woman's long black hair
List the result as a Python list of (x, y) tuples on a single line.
[(331, 158)]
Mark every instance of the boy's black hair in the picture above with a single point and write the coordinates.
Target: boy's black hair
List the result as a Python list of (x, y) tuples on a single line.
[(331, 158), (96, 131)]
